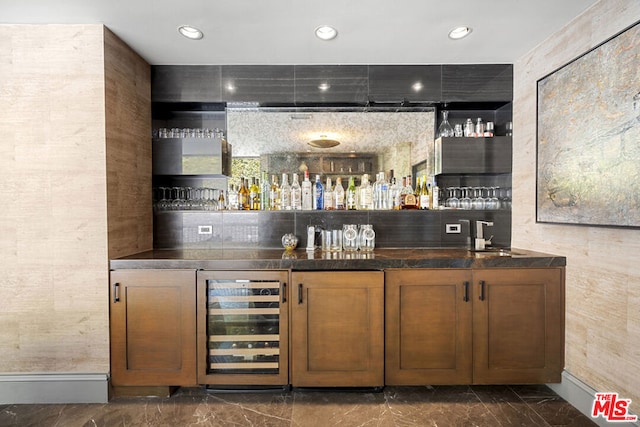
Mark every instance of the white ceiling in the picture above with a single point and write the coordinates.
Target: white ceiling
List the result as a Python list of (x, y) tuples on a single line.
[(281, 31)]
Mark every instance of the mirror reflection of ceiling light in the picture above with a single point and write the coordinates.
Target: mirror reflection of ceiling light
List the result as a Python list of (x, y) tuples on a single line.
[(230, 87), (459, 32), (324, 87), (190, 32), (323, 142), (326, 32)]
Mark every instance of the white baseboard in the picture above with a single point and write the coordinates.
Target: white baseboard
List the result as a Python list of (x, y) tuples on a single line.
[(581, 395), (53, 388)]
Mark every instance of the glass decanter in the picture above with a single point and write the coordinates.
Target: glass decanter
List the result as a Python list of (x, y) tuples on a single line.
[(445, 128)]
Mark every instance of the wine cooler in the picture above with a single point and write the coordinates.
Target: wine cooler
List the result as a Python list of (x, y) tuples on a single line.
[(242, 328)]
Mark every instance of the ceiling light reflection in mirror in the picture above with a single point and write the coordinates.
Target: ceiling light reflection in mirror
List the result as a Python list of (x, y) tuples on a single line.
[(256, 132)]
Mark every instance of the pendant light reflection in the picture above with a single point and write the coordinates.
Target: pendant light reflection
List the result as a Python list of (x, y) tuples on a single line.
[(324, 142)]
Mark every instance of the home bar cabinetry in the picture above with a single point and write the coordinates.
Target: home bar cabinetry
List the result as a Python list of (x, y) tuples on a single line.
[(481, 326), (261, 317), (337, 331)]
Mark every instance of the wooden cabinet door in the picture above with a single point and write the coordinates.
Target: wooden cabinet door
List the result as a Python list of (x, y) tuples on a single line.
[(153, 327), (428, 316), (518, 317), (337, 331)]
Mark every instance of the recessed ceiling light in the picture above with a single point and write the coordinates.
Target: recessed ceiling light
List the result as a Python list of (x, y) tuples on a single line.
[(417, 86), (326, 32), (459, 32), (190, 32), (324, 87)]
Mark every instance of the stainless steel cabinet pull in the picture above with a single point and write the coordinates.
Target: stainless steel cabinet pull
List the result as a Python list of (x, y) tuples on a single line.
[(116, 298), (284, 292), (466, 292), (481, 290), (299, 293)]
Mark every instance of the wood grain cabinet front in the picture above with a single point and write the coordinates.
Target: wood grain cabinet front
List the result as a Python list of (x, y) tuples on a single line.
[(153, 327), (337, 331), (428, 327), (486, 326), (518, 326)]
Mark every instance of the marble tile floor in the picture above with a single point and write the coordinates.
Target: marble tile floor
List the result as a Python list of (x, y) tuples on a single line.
[(440, 406)]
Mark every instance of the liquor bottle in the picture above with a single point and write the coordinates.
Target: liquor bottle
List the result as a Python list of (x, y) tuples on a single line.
[(435, 196), (232, 195), (296, 194), (338, 194), (394, 194), (424, 198), (318, 194), (221, 201), (365, 195), (264, 191), (244, 202), (307, 193), (274, 194), (383, 191), (375, 190), (351, 195), (328, 196), (254, 195), (285, 194), (407, 195)]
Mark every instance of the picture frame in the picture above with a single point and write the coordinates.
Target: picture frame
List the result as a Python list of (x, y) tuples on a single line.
[(588, 137)]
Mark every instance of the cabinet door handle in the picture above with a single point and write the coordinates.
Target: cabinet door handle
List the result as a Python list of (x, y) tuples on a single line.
[(466, 292), (116, 298), (481, 290), (284, 292), (299, 293)]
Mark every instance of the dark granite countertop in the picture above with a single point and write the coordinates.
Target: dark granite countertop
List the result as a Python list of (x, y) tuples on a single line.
[(274, 259)]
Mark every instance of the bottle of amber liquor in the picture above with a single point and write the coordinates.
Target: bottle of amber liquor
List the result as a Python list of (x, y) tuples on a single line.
[(408, 199)]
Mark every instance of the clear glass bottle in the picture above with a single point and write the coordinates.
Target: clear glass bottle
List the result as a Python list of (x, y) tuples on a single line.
[(285, 194), (328, 196), (365, 194), (307, 193), (352, 199), (445, 128), (424, 193), (296, 194), (338, 197)]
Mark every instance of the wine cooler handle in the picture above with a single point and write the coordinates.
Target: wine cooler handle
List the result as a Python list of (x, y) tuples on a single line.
[(299, 293), (284, 292), (466, 292), (481, 290), (116, 298)]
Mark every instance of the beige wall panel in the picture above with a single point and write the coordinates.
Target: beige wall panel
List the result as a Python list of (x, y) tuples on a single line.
[(53, 229), (128, 126), (603, 273)]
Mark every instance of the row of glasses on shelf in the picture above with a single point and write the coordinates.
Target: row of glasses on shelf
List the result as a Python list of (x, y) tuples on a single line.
[(188, 133), (478, 198), (187, 198)]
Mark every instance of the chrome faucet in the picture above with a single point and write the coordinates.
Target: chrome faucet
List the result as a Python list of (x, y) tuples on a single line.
[(481, 242)]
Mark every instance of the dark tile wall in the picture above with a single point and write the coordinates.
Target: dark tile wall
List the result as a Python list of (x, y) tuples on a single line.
[(263, 229), (350, 84)]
